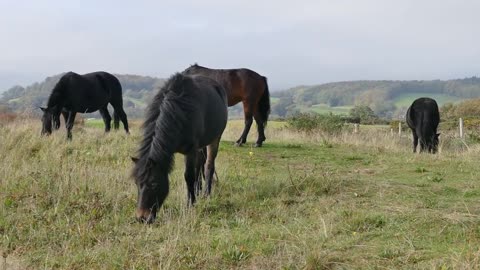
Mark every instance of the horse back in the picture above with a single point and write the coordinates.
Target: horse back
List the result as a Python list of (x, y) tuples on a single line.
[(244, 85), (211, 109), (241, 85), (89, 92), (423, 116)]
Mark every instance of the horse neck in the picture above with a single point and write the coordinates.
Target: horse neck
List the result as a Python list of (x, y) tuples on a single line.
[(163, 138), (163, 159), (56, 96)]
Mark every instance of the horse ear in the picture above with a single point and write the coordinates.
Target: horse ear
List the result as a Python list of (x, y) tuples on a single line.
[(134, 159)]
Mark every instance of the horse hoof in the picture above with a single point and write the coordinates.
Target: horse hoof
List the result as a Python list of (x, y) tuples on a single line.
[(257, 145), (238, 144)]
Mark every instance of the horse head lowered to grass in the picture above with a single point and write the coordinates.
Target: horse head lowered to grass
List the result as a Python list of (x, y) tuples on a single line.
[(187, 114)]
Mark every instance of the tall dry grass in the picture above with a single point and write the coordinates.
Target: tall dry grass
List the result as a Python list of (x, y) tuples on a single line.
[(304, 201)]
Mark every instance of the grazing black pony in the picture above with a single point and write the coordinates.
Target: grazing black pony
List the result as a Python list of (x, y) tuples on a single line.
[(243, 85), (188, 114), (87, 93), (423, 118)]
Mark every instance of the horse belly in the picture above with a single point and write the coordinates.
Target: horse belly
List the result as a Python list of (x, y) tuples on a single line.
[(89, 106), (214, 127)]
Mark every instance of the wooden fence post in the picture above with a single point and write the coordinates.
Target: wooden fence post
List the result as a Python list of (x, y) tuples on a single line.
[(460, 125), (355, 128), (399, 128)]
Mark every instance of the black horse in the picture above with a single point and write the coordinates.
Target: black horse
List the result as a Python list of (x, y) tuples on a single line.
[(243, 85), (423, 118), (188, 114), (87, 93)]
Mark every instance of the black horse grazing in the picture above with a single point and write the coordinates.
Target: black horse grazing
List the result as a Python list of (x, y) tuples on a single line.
[(243, 85), (188, 114), (423, 118), (87, 93)]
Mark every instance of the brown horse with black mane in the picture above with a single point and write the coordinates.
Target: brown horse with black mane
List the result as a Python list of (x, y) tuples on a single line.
[(243, 85)]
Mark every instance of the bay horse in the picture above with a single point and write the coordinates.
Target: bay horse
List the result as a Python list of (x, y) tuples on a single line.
[(87, 93), (246, 86), (186, 115)]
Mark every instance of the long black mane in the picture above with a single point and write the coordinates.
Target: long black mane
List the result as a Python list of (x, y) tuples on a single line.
[(55, 97), (165, 119)]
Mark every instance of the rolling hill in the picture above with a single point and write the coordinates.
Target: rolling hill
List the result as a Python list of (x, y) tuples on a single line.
[(388, 99)]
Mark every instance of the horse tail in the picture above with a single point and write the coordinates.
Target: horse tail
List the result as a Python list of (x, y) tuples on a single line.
[(264, 103)]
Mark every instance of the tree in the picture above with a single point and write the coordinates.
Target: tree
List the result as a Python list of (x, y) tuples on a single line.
[(364, 113), (281, 107)]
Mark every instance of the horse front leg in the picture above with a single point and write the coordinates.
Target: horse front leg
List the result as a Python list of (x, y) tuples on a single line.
[(69, 124), (65, 116), (199, 169), (190, 165)]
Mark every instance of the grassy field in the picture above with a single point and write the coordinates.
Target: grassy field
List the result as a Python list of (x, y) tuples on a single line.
[(303, 201), (406, 100)]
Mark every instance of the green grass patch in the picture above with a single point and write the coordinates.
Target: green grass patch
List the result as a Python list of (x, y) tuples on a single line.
[(94, 123)]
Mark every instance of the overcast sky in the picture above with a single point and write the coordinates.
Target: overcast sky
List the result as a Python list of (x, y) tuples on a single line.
[(290, 42)]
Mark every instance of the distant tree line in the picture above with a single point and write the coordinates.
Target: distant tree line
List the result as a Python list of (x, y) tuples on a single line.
[(378, 95)]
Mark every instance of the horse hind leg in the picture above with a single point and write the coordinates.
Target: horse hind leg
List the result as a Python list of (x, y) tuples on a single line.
[(261, 130), (248, 125), (122, 115), (423, 145), (415, 142), (116, 120), (212, 151), (106, 118)]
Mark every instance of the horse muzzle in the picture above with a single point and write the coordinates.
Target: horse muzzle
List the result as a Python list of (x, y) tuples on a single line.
[(145, 215)]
